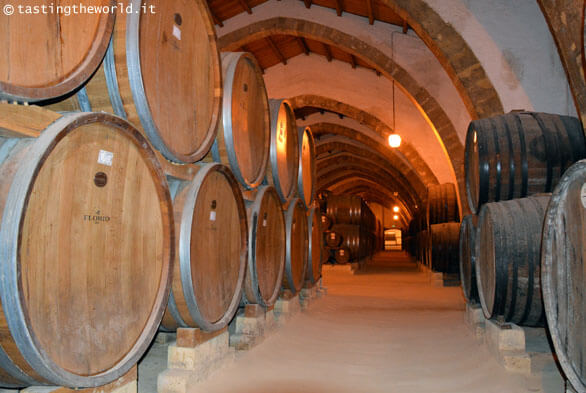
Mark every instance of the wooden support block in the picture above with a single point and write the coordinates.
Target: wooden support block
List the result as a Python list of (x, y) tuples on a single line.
[(18, 121), (287, 306), (192, 337), (125, 384)]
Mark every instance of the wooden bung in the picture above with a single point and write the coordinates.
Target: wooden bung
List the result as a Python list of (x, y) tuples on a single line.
[(296, 246), (563, 273), (162, 73), (87, 246), (266, 248), (212, 244), (46, 55), (284, 152), (244, 130)]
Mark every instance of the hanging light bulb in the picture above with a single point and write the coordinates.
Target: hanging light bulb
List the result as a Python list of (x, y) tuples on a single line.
[(394, 140), (395, 217), (396, 209)]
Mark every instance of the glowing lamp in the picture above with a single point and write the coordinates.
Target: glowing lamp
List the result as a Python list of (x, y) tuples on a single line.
[(395, 217), (396, 209), (394, 140)]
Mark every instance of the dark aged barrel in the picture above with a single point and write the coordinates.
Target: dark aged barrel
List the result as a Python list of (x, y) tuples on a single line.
[(563, 273), (284, 153), (296, 246), (444, 240), (86, 243), (325, 254), (508, 260), (468, 258), (519, 154), (355, 239), (45, 56), (306, 178), (442, 204), (162, 73), (332, 238), (326, 223), (350, 209), (315, 245), (342, 255), (212, 244), (266, 248), (244, 130)]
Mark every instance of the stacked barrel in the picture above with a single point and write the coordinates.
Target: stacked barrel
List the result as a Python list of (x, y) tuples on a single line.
[(98, 220), (352, 236), (522, 255)]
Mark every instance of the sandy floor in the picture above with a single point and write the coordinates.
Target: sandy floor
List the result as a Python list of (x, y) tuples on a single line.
[(383, 330)]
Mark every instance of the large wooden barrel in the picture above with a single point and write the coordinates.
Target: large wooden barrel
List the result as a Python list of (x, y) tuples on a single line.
[(306, 178), (468, 258), (284, 154), (342, 255), (350, 209), (355, 239), (332, 238), (266, 248), (244, 130), (508, 260), (161, 72), (519, 154), (47, 56), (442, 204), (443, 249), (87, 251), (326, 223), (315, 235), (212, 244), (296, 246), (563, 273)]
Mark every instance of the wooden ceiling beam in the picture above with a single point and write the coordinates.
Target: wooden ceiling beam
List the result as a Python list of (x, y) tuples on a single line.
[(303, 44), (276, 50), (307, 3), (405, 26), (328, 52), (339, 7), (245, 6), (216, 20), (370, 12)]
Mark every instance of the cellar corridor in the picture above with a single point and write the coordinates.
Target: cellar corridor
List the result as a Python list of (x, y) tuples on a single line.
[(385, 329)]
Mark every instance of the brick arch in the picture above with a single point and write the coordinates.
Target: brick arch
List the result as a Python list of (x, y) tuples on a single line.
[(345, 160), (415, 160), (411, 184), (369, 194)]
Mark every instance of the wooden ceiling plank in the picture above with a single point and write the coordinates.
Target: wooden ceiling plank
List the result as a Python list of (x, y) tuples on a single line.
[(405, 26), (328, 52), (216, 20), (307, 3), (276, 50), (370, 12), (303, 44), (353, 61), (245, 6)]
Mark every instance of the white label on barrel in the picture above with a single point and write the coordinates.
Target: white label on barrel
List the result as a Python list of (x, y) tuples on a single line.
[(583, 195), (213, 215), (341, 252), (264, 222), (177, 32), (105, 157)]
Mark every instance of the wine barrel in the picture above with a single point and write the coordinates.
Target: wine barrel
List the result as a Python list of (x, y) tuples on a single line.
[(46, 56), (355, 239), (284, 153), (212, 244), (306, 178), (350, 209), (315, 235), (266, 248), (326, 223), (86, 243), (244, 130), (468, 258), (442, 204), (161, 72), (296, 246), (342, 255), (508, 260), (519, 154), (325, 254), (563, 273), (443, 249), (333, 239)]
